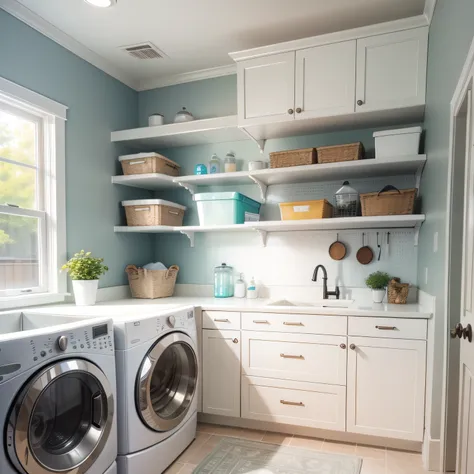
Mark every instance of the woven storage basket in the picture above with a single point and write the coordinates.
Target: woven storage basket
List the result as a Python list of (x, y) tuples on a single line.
[(285, 159), (142, 163), (390, 201), (397, 292), (147, 212), (151, 283), (336, 153)]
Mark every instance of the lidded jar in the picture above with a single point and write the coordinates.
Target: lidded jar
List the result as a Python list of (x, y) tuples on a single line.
[(347, 201), (223, 281)]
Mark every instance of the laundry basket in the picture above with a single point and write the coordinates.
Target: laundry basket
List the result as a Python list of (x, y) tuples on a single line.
[(152, 284)]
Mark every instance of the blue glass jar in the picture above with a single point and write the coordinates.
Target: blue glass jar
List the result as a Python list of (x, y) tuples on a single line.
[(223, 281)]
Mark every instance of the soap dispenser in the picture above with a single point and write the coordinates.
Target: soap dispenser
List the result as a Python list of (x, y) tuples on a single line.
[(252, 292), (239, 288)]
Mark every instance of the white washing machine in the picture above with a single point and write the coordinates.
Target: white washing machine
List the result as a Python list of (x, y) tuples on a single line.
[(58, 395), (157, 382)]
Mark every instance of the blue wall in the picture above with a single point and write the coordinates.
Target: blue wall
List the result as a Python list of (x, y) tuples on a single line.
[(97, 105)]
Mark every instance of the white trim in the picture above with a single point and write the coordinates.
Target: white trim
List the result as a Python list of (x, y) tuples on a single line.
[(429, 10), (355, 33), (13, 93), (47, 29), (431, 453), (23, 301), (156, 83)]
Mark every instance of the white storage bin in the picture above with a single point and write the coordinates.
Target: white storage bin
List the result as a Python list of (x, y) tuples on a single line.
[(400, 142)]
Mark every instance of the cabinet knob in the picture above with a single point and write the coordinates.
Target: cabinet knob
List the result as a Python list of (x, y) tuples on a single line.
[(467, 333), (360, 102), (458, 331), (298, 110), (352, 346), (235, 341), (290, 111), (343, 346)]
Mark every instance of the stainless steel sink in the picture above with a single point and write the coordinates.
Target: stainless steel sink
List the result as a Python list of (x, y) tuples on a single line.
[(315, 304)]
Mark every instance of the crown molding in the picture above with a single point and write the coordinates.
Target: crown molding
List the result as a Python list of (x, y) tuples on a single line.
[(38, 23), (429, 10), (166, 81)]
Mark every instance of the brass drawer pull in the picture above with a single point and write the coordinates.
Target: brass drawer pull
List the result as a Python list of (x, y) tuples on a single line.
[(286, 323), (295, 404), (288, 356), (386, 328), (221, 321), (262, 321)]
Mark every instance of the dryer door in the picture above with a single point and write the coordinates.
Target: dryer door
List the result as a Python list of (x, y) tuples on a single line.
[(62, 419), (167, 382)]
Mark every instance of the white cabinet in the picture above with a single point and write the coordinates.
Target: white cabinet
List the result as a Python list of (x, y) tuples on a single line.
[(221, 372), (266, 88), (391, 70), (386, 387), (325, 80)]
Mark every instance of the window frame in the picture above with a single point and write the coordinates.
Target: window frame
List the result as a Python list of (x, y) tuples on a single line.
[(51, 206)]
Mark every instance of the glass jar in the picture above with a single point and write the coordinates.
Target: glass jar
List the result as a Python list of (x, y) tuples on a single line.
[(214, 164), (347, 201), (223, 281), (230, 164)]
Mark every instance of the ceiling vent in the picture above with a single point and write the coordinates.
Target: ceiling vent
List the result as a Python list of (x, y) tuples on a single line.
[(144, 51)]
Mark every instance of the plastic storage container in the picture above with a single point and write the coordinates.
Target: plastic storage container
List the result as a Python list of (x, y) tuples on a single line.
[(226, 208), (293, 211), (143, 163), (400, 142), (223, 281), (153, 212)]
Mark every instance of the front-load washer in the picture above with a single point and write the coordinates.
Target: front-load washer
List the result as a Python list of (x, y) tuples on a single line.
[(157, 382), (58, 395)]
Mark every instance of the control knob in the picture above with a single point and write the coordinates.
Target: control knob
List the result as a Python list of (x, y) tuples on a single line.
[(62, 343), (171, 320)]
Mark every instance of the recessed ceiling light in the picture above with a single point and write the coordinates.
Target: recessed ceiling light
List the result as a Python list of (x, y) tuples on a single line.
[(101, 3)]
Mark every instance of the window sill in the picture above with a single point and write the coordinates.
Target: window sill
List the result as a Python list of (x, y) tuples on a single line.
[(23, 301)]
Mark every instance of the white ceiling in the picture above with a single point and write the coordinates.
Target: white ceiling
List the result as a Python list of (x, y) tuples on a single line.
[(199, 34)]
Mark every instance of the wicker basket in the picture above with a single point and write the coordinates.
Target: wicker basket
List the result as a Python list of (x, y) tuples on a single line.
[(397, 292), (146, 212), (334, 154), (142, 163), (388, 202), (151, 283), (285, 159)]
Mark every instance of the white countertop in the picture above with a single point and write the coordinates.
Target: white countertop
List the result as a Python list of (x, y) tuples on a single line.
[(145, 307)]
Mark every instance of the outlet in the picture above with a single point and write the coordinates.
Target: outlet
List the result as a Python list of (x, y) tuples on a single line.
[(426, 275), (435, 242)]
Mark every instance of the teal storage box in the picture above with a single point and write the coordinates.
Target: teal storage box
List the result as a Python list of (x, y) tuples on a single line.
[(226, 208)]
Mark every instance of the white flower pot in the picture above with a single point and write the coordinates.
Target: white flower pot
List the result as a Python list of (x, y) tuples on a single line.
[(85, 291), (378, 296)]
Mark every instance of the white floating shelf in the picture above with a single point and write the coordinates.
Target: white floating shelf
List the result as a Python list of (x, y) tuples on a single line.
[(197, 132), (264, 227), (368, 168)]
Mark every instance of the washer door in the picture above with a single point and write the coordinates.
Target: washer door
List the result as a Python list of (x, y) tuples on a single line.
[(62, 419), (167, 382)]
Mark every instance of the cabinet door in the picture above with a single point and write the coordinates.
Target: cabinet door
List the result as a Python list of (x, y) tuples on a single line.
[(386, 387), (266, 89), (325, 80), (391, 70), (221, 372)]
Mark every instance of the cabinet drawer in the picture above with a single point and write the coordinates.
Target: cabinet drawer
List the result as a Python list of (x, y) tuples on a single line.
[(220, 320), (295, 323), (307, 358), (392, 328), (294, 403)]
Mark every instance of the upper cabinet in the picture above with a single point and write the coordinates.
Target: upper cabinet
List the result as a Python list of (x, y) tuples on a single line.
[(391, 70), (325, 80), (266, 89)]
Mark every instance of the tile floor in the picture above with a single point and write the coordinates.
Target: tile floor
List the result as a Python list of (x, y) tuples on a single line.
[(376, 460)]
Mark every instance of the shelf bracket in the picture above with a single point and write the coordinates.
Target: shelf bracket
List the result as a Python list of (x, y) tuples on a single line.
[(190, 187), (416, 236), (260, 143), (418, 174), (262, 186), (263, 236), (190, 236)]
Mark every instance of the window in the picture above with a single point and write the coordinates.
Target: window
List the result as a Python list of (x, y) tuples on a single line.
[(32, 216)]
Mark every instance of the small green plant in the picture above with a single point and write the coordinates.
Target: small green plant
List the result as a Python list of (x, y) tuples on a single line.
[(85, 267), (378, 280)]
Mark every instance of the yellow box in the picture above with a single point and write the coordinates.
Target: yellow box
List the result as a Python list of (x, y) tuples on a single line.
[(294, 211)]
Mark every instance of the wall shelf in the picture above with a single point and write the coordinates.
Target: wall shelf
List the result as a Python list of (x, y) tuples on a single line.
[(150, 181), (265, 227)]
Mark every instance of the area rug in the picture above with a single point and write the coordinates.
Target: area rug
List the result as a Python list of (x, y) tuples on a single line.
[(237, 456)]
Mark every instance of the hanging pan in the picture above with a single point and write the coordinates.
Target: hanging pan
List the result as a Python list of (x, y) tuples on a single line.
[(337, 250), (364, 254)]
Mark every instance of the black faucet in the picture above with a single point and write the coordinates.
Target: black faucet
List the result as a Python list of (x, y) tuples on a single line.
[(326, 293)]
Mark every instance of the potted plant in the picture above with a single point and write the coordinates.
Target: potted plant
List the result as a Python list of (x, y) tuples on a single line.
[(85, 271), (378, 282)]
